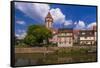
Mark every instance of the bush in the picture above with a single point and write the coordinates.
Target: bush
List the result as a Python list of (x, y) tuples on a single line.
[(22, 45)]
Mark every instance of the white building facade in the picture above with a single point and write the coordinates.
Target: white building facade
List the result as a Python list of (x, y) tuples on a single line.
[(65, 38), (86, 37)]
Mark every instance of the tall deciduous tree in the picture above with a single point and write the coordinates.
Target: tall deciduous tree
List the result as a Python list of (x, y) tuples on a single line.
[(36, 34)]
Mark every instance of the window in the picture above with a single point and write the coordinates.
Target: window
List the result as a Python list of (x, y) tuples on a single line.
[(83, 33), (68, 34), (87, 42), (85, 37), (62, 34), (59, 42), (69, 42), (91, 42), (65, 41)]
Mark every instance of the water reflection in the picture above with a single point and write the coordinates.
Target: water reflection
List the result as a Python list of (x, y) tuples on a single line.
[(34, 59)]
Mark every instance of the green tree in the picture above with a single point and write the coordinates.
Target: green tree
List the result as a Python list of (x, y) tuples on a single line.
[(36, 34)]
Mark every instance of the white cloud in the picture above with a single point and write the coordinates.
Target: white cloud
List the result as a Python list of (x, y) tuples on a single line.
[(90, 26), (75, 23), (20, 22), (20, 31), (80, 25), (57, 15), (68, 22), (21, 36), (33, 10)]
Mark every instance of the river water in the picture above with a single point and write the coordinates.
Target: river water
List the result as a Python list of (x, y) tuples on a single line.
[(42, 59)]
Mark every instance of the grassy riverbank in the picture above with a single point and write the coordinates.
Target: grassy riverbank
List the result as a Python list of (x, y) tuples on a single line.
[(76, 49)]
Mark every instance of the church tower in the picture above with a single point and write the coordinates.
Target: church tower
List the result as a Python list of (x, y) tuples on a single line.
[(48, 21)]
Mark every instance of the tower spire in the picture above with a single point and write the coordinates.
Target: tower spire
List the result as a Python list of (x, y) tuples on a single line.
[(48, 15), (48, 21)]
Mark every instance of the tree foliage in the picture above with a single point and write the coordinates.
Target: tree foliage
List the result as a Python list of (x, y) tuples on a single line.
[(36, 34)]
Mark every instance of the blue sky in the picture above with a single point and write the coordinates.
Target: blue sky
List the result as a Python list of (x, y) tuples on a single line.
[(65, 16)]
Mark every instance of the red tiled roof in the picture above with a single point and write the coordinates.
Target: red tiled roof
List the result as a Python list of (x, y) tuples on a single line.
[(75, 31)]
